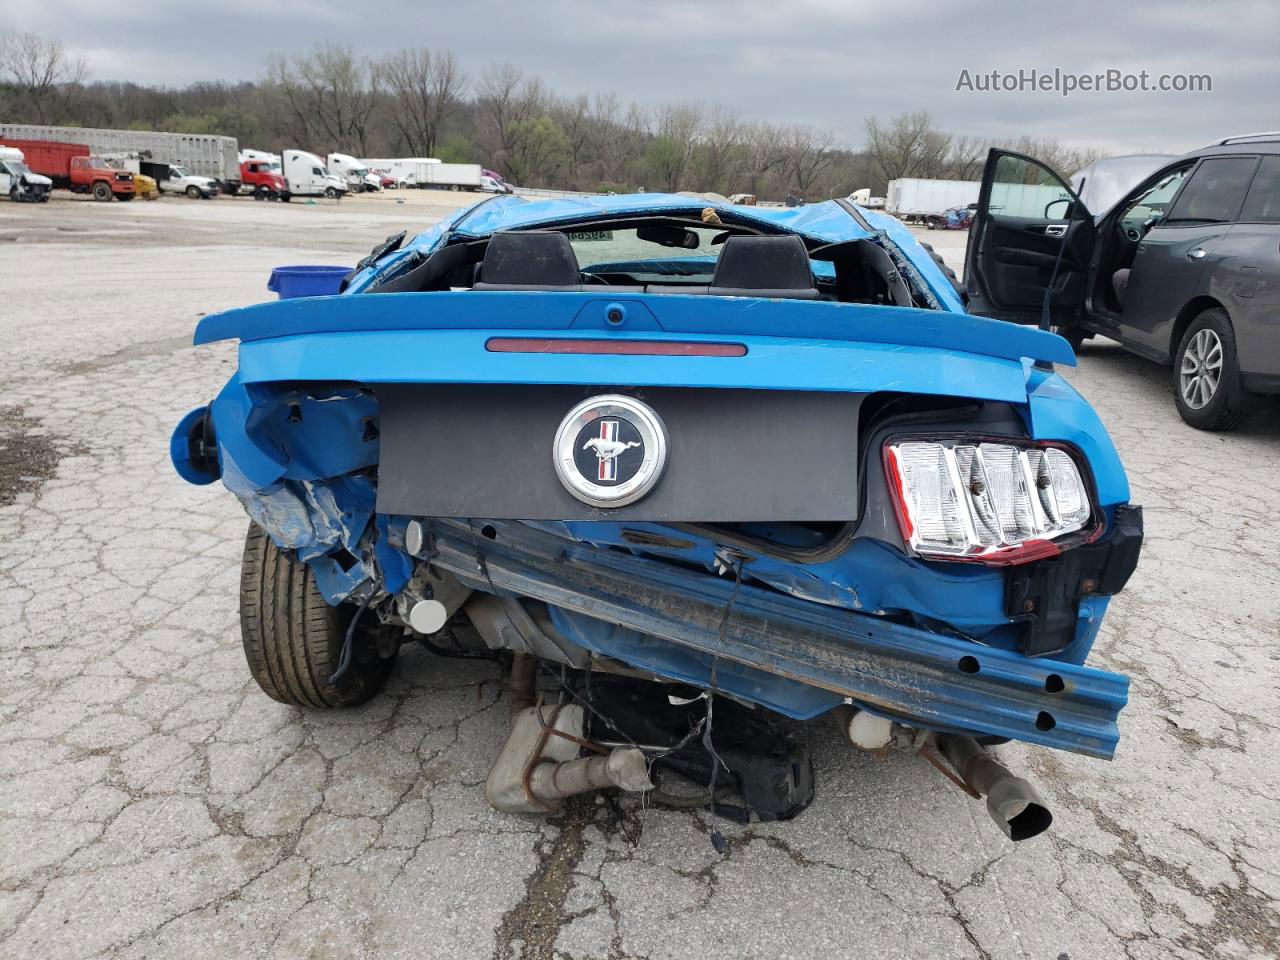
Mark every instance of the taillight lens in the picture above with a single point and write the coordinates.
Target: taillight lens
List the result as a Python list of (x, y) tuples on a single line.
[(992, 501)]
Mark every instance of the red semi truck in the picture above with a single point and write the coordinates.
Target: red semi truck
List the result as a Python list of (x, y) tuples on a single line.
[(264, 178), (72, 167)]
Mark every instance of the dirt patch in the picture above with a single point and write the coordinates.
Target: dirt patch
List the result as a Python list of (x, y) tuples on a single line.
[(28, 455)]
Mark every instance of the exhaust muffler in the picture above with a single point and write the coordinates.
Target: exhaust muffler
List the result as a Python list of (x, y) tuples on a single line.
[(539, 765), (1012, 802)]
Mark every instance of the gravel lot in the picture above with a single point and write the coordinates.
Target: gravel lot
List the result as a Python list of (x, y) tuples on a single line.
[(153, 803)]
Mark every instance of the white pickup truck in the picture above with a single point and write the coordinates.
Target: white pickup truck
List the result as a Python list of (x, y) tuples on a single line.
[(18, 181), (174, 178)]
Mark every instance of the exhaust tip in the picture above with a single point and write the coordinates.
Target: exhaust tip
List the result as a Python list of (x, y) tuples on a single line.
[(1017, 809), (1012, 802), (1033, 820)]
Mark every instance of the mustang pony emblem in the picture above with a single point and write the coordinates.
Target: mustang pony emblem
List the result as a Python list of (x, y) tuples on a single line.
[(607, 447), (629, 443)]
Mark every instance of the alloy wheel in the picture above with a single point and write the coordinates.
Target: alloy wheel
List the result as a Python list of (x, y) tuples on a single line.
[(1201, 369)]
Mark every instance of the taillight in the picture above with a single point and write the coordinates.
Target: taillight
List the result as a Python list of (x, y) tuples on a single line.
[(993, 501)]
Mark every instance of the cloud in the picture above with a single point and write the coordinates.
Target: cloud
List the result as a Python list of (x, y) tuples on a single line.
[(829, 63)]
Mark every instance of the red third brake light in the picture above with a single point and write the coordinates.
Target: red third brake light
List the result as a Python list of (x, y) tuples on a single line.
[(623, 348)]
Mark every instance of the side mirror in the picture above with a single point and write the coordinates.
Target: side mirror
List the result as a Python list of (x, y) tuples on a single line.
[(1066, 209)]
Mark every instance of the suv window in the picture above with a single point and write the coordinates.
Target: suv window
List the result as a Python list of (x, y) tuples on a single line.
[(1154, 201), (1214, 192), (1262, 205)]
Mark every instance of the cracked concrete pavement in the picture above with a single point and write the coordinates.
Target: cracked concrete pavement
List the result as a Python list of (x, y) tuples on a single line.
[(154, 804)]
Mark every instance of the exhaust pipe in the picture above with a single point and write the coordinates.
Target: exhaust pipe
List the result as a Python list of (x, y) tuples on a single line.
[(539, 765), (1012, 802)]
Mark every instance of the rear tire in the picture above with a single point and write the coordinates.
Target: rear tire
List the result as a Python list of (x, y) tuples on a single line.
[(293, 639), (1206, 374), (101, 192)]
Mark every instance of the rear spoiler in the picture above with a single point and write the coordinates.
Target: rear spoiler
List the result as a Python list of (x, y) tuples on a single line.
[(659, 313)]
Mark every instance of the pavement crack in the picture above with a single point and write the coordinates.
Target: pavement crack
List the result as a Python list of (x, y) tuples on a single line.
[(537, 919)]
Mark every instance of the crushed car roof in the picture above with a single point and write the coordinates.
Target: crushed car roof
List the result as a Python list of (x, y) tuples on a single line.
[(827, 221)]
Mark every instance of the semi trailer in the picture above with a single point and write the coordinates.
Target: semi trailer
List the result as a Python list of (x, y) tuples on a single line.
[(203, 155)]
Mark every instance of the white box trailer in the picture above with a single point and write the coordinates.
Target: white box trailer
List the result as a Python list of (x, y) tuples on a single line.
[(454, 176), (428, 172), (915, 199), (405, 171), (206, 155)]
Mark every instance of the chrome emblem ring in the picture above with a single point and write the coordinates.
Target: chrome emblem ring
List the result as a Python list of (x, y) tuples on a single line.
[(610, 450)]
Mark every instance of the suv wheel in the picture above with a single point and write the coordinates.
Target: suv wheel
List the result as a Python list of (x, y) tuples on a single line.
[(1205, 371), (293, 639), (193, 192)]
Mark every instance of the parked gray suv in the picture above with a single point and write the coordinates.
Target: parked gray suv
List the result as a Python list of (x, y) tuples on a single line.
[(1184, 269)]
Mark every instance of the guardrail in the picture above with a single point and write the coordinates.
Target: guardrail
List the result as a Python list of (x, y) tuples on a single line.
[(540, 192)]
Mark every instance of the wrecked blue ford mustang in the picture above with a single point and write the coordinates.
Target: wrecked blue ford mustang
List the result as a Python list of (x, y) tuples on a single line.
[(657, 453)]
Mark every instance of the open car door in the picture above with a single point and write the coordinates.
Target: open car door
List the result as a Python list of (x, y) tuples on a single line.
[(1030, 233)]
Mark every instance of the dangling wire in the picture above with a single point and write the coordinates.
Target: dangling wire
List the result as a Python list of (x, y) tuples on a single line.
[(344, 661), (717, 838)]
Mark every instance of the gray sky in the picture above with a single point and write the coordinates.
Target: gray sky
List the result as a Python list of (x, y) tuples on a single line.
[(829, 63)]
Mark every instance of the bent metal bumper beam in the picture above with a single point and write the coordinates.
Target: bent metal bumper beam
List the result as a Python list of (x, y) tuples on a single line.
[(936, 681)]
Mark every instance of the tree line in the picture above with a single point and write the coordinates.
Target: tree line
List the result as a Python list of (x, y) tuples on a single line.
[(421, 102)]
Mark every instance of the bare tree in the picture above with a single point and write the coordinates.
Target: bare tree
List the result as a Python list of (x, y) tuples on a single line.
[(718, 157), (506, 101), (676, 130), (907, 146), (968, 154), (607, 137), (1053, 153), (331, 96), (42, 73), (806, 153), (765, 155), (425, 90), (574, 116)]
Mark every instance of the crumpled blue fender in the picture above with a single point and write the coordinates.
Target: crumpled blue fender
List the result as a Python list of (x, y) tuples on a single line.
[(1057, 411)]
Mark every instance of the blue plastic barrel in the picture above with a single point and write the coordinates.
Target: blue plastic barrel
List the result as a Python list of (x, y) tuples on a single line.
[(289, 282)]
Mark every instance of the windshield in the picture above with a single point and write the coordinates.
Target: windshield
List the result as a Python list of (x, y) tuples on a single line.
[(650, 253), (16, 167), (176, 171), (1106, 181)]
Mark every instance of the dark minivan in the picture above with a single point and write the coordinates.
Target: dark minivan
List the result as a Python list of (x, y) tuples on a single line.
[(1183, 269)]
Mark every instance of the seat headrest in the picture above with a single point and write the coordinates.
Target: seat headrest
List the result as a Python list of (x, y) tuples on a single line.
[(533, 258), (764, 263)]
